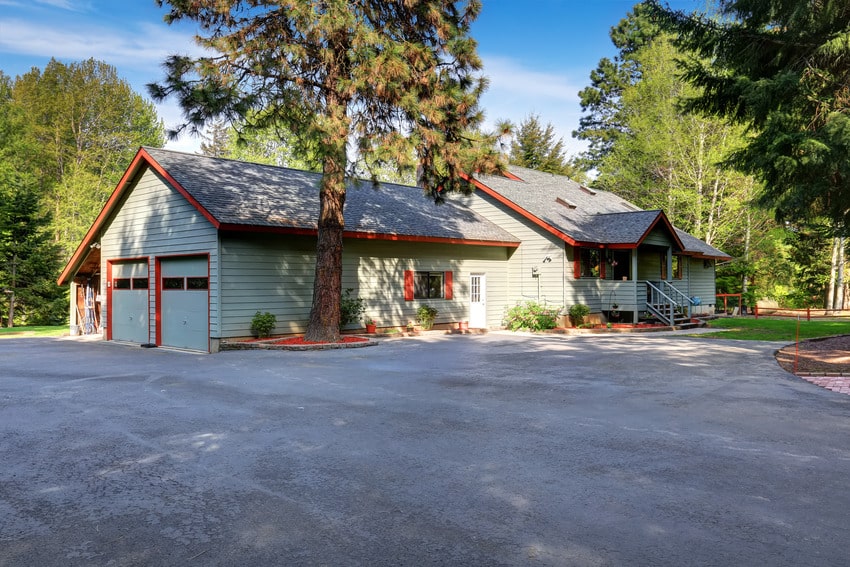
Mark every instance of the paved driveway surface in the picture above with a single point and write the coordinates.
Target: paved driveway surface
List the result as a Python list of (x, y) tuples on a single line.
[(473, 450)]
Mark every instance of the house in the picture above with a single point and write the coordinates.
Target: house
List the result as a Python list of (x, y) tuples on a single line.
[(188, 248)]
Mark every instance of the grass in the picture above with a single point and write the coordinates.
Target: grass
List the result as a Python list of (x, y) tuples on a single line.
[(44, 331), (776, 329)]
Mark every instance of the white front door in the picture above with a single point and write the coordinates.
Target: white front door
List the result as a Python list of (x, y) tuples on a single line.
[(477, 302)]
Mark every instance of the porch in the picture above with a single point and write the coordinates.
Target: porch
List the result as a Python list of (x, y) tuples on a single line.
[(631, 301)]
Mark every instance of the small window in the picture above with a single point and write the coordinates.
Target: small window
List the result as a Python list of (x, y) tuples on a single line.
[(140, 283), (197, 283), (121, 283), (428, 285), (172, 283), (590, 263), (678, 267)]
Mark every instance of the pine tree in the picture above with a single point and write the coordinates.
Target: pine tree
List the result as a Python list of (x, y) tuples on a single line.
[(780, 68), (603, 120), (394, 78), (79, 124), (535, 147), (29, 260), (216, 141)]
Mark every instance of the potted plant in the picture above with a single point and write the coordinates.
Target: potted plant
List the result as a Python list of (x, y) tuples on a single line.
[(615, 311), (371, 326), (426, 314)]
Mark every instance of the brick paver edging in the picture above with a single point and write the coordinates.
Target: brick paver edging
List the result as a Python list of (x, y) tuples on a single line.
[(838, 383)]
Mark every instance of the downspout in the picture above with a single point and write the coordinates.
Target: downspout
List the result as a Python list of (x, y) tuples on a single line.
[(564, 263), (634, 272)]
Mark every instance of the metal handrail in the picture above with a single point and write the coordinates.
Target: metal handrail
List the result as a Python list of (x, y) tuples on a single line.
[(684, 299), (655, 297)]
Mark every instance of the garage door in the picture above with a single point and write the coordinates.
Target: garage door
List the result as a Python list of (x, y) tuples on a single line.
[(130, 306), (184, 303)]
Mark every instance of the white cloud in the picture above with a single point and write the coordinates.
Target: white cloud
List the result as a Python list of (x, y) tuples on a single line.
[(142, 49), (516, 92)]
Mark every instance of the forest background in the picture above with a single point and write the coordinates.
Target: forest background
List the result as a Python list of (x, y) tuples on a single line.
[(68, 131)]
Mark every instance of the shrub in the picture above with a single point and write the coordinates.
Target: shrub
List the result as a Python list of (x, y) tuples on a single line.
[(577, 314), (351, 309), (426, 314), (531, 316), (262, 324)]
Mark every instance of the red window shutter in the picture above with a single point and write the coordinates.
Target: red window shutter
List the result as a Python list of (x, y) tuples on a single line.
[(577, 264), (408, 285), (448, 285), (601, 266)]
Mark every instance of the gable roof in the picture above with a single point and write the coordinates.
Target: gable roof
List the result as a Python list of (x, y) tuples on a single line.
[(582, 216), (240, 196)]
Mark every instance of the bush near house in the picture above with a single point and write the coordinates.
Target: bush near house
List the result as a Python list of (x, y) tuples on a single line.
[(262, 324), (577, 314), (531, 316), (351, 309)]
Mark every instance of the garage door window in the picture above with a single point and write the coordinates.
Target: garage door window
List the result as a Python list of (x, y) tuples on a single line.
[(190, 283), (130, 283), (172, 283), (197, 283)]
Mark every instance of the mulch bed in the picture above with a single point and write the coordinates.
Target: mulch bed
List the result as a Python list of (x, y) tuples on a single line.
[(828, 356), (296, 343), (301, 341)]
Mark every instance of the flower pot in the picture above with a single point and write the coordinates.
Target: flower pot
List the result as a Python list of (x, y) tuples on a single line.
[(371, 328), (463, 326)]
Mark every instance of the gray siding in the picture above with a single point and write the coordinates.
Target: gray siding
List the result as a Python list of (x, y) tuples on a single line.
[(698, 280), (275, 274), (155, 220), (537, 244), (266, 273), (379, 268)]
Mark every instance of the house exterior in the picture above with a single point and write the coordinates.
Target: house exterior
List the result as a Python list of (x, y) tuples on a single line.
[(188, 248)]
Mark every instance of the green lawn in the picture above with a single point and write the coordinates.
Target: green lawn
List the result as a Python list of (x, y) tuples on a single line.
[(58, 331), (776, 329)]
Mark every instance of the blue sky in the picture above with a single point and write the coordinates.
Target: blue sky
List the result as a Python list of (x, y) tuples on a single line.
[(537, 53)]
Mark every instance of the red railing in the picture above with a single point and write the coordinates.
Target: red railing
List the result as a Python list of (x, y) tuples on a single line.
[(809, 313)]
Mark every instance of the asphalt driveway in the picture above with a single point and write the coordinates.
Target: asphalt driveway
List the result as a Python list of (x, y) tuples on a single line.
[(462, 450)]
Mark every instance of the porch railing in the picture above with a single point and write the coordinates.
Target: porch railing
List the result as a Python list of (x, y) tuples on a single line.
[(665, 302), (682, 300)]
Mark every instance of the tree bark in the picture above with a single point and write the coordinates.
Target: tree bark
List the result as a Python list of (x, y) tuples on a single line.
[(839, 280), (327, 282), (833, 266)]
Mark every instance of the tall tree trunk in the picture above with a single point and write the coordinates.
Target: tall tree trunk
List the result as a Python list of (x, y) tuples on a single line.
[(11, 322), (839, 280), (833, 265), (745, 278), (327, 283)]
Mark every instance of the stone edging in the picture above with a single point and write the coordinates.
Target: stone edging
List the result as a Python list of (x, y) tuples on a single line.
[(269, 345)]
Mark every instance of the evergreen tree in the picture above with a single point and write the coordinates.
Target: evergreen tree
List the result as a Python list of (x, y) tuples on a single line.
[(217, 140), (666, 159), (779, 67), (535, 147), (603, 121), (394, 78), (29, 260), (80, 125)]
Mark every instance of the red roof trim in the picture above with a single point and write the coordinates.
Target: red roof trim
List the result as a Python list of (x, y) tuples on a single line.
[(367, 235), (520, 211), (141, 159), (173, 182), (662, 217), (511, 176)]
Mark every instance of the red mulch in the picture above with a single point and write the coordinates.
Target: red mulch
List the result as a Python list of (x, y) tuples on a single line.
[(301, 341)]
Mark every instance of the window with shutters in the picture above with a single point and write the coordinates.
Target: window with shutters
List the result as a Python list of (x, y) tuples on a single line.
[(427, 285)]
